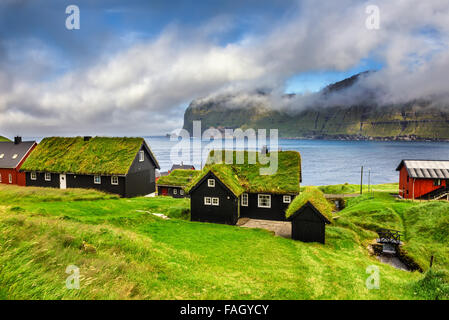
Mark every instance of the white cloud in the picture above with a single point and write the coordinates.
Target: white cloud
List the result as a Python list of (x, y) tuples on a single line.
[(140, 90)]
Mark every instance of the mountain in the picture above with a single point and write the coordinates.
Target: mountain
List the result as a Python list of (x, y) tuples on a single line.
[(416, 120)]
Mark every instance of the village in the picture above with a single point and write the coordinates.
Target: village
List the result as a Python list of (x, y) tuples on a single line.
[(223, 193)]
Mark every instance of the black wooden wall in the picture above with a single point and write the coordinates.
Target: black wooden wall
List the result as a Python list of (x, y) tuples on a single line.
[(226, 213), (276, 212), (308, 227)]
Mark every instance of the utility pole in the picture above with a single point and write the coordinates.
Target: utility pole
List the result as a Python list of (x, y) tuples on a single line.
[(361, 180), (369, 181)]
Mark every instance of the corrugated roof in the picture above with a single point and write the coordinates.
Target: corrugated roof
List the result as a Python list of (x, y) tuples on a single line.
[(11, 154), (427, 169)]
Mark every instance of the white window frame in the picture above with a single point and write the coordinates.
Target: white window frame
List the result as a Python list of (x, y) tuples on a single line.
[(207, 201), (287, 199), (0, 177), (260, 196), (211, 183), (245, 197), (2, 155), (47, 176), (10, 178), (15, 155), (175, 191), (114, 180), (33, 176), (141, 156), (181, 192), (216, 202), (95, 180)]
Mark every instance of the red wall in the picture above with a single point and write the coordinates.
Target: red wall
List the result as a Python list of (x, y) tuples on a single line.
[(17, 177), (420, 188)]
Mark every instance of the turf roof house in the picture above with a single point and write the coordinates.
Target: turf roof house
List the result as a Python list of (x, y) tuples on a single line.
[(223, 193), (175, 183), (124, 166), (309, 214), (12, 156)]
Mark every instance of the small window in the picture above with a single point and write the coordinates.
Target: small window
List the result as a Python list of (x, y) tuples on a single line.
[(10, 178), (97, 179), (47, 176), (264, 201), (211, 183), (175, 191), (15, 156), (215, 201), (207, 201), (244, 199), (408, 178), (181, 192), (141, 156), (437, 182), (287, 199), (33, 176), (114, 180), (0, 177), (2, 155)]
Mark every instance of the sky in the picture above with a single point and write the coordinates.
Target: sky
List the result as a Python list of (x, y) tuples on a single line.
[(134, 66)]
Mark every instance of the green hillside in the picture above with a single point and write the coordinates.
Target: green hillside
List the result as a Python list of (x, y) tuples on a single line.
[(125, 252), (409, 121), (4, 139), (356, 122)]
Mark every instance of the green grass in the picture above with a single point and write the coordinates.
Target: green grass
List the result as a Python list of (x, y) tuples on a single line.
[(316, 197), (244, 173), (355, 188), (4, 139), (179, 177), (141, 256), (99, 155)]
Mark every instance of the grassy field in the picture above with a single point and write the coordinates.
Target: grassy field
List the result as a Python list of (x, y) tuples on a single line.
[(129, 253)]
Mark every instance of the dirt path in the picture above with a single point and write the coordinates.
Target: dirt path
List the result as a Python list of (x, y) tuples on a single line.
[(280, 228)]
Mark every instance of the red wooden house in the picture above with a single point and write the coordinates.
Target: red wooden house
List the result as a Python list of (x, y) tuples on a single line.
[(12, 156), (423, 179)]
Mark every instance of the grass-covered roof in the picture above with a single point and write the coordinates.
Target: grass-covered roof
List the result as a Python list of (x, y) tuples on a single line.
[(99, 155), (4, 139), (246, 177), (316, 197), (178, 177)]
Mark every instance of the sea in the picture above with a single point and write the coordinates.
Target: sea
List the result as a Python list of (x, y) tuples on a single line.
[(326, 162)]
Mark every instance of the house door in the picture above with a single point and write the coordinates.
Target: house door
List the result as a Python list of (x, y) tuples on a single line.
[(62, 181)]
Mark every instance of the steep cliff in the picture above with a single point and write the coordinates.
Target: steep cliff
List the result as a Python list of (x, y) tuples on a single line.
[(411, 121)]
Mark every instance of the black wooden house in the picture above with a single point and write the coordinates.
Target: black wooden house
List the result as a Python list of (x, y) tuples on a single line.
[(123, 166), (309, 224), (225, 192), (174, 184)]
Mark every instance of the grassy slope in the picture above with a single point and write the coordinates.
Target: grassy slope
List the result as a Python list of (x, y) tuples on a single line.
[(99, 155), (4, 139), (179, 177), (142, 256)]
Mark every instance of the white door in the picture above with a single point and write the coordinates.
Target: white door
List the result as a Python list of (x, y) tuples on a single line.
[(62, 181)]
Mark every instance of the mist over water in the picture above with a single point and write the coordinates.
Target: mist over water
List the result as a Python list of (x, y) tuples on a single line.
[(335, 162)]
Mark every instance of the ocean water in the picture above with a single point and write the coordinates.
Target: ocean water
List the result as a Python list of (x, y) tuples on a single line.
[(331, 162)]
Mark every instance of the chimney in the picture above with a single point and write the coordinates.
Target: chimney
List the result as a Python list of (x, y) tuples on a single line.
[(264, 150), (17, 140), (87, 138)]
